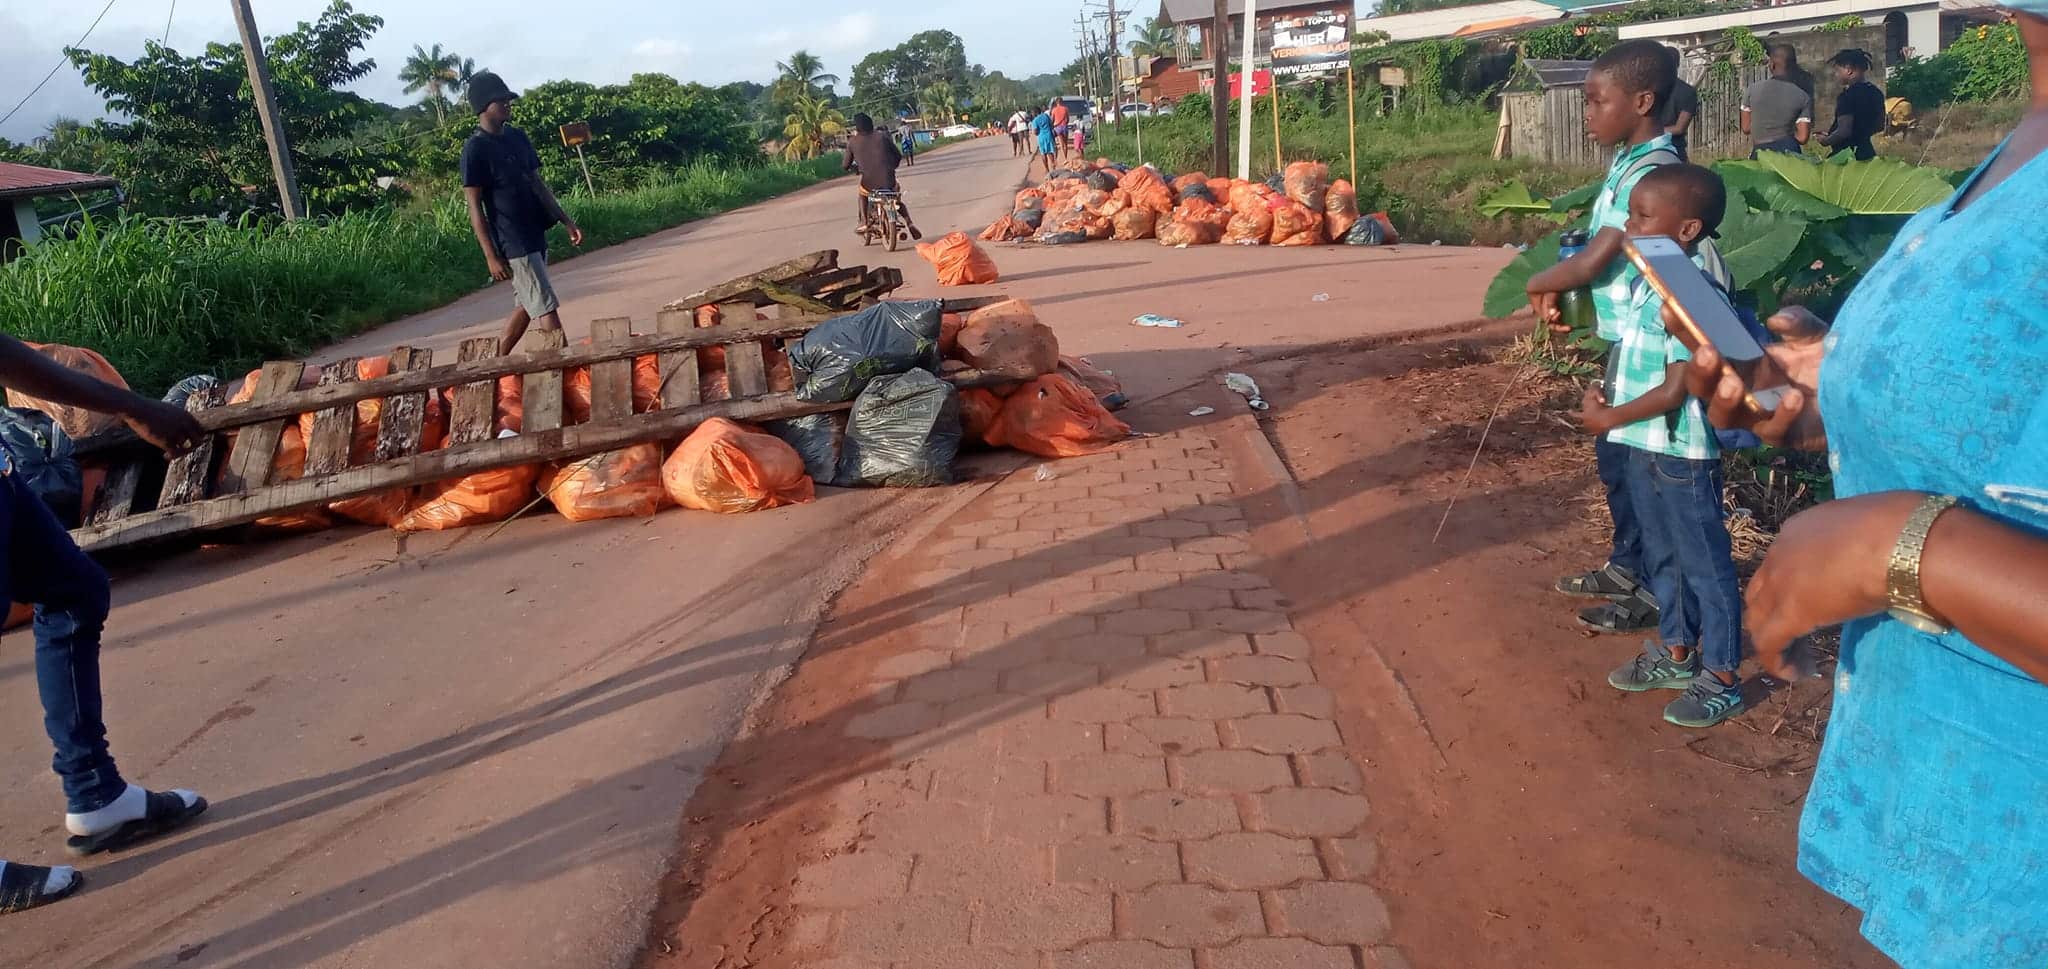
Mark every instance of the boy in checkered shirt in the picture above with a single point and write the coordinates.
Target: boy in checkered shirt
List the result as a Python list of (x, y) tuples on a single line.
[(1674, 470)]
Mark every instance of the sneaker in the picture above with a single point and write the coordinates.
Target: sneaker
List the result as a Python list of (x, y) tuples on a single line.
[(1654, 669), (1706, 702)]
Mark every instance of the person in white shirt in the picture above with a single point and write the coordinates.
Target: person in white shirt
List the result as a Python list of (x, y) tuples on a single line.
[(1020, 125)]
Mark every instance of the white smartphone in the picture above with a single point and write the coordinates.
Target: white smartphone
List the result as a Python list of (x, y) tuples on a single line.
[(1704, 313)]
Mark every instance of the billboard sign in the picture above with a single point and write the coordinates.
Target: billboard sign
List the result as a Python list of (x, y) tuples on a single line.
[(1311, 45)]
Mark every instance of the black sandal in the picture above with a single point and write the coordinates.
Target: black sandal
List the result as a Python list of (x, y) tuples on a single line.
[(164, 811), (1632, 614), (21, 887), (1605, 582)]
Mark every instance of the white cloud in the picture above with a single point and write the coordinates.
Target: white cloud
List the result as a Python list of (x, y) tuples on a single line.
[(851, 31), (661, 47)]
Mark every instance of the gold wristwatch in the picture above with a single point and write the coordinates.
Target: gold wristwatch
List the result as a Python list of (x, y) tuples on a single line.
[(1902, 578)]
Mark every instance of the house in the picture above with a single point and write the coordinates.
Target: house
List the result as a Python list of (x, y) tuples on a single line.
[(21, 185), (1479, 19), (1912, 28), (1160, 80)]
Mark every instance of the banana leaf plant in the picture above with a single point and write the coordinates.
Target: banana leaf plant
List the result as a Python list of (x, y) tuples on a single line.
[(1795, 231)]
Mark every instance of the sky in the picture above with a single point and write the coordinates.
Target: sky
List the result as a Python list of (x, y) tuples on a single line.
[(530, 41)]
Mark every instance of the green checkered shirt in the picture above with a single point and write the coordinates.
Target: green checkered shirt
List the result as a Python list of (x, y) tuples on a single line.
[(1640, 355), (1610, 211)]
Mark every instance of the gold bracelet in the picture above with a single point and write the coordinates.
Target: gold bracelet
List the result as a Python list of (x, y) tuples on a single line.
[(1902, 576)]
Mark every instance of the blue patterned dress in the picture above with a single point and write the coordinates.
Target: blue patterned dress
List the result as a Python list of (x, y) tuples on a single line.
[(1929, 808)]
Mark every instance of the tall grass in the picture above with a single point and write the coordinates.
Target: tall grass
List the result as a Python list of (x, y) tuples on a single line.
[(1426, 170), (167, 298)]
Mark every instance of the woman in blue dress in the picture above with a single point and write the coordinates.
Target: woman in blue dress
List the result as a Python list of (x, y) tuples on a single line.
[(1929, 807)]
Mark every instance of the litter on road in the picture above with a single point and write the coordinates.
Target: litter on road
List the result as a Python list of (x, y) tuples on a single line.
[(1244, 386), (1154, 319)]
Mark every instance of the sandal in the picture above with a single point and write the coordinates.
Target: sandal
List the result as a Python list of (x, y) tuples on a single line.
[(21, 887), (165, 812), (1632, 614), (1605, 582)]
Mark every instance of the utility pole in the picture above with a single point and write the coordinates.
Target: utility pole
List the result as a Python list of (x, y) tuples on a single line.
[(1219, 90), (1245, 101), (1116, 84), (266, 111)]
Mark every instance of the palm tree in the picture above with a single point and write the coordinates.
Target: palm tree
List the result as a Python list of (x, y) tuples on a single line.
[(1154, 39), (436, 72), (812, 121), (939, 102), (804, 73)]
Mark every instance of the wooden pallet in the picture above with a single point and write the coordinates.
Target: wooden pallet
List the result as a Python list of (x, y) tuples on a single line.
[(226, 482)]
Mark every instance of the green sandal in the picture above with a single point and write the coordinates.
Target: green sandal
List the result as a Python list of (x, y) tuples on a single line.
[(1605, 582), (1633, 613)]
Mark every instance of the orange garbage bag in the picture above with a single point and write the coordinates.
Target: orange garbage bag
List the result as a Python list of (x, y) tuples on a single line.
[(1003, 230), (1173, 232), (1192, 178), (949, 335), (1202, 210), (477, 499), (1135, 223), (1119, 200), (1008, 338), (1027, 196), (1220, 187), (1055, 417), (1308, 182), (625, 483), (1246, 196), (1137, 179), (979, 407), (1295, 225), (1249, 226), (1098, 226), (727, 467), (76, 421), (960, 262), (1387, 227), (1340, 210), (1099, 382)]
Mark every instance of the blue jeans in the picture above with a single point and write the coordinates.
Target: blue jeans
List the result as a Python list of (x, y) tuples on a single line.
[(1686, 551), (1613, 462), (44, 568)]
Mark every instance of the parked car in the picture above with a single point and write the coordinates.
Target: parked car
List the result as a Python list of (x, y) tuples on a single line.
[(958, 131), (1134, 109)]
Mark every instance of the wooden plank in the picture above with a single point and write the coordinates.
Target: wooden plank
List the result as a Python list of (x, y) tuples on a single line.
[(540, 394), (448, 375), (114, 499), (824, 260), (817, 284), (746, 372), (334, 429), (561, 443), (404, 418), (611, 382), (475, 409), (256, 444), (186, 479), (679, 387), (789, 297)]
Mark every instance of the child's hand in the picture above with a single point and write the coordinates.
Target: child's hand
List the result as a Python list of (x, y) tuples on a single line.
[(1593, 412), (1545, 306)]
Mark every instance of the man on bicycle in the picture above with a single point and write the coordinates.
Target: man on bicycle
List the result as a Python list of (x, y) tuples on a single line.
[(874, 154)]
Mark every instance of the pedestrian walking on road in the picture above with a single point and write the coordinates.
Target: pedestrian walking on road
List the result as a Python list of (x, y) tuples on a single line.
[(1045, 132), (1060, 120), (44, 568), (511, 209), (1020, 126)]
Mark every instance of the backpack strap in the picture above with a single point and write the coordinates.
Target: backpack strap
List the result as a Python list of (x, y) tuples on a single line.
[(1660, 156)]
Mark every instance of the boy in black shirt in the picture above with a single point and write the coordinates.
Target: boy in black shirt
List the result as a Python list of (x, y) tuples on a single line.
[(511, 208), (1859, 109)]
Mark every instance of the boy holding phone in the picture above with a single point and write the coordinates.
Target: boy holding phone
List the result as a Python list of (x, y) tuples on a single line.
[(1674, 470), (1625, 94)]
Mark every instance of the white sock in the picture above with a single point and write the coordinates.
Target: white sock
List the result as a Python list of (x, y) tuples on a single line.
[(130, 806), (58, 880)]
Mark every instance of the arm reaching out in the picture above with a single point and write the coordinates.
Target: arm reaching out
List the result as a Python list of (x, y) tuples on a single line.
[(166, 426)]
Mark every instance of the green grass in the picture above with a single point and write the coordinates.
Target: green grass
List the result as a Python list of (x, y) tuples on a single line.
[(1426, 171), (163, 299)]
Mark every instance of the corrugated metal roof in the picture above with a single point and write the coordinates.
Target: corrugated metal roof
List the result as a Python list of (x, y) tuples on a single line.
[(1202, 11), (25, 181)]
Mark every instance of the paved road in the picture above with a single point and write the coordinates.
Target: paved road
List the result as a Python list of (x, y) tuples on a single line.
[(473, 749)]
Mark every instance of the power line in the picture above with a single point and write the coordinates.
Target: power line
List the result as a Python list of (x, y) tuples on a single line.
[(167, 23), (61, 61)]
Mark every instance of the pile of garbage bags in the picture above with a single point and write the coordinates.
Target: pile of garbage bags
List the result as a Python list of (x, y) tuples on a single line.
[(1301, 206)]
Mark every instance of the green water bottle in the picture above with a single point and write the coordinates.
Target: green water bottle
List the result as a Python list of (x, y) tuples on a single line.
[(1574, 306)]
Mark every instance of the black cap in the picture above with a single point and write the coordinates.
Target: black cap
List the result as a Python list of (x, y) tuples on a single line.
[(485, 88)]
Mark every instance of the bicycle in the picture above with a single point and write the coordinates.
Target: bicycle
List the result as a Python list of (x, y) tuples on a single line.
[(884, 220)]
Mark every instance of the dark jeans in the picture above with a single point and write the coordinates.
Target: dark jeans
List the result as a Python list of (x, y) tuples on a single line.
[(1789, 146), (1686, 552), (44, 567), (1613, 461)]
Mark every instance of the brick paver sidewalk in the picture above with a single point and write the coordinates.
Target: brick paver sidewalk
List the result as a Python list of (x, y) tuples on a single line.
[(1123, 763)]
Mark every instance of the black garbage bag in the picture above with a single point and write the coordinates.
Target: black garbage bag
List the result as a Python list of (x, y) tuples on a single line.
[(1104, 180), (816, 438), (835, 361), (183, 390), (903, 433), (1368, 232), (1060, 173), (1031, 217), (1277, 182), (1198, 191), (41, 454), (1062, 238)]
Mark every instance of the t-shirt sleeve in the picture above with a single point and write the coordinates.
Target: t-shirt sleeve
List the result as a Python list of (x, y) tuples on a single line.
[(1685, 98), (1805, 112), (476, 172)]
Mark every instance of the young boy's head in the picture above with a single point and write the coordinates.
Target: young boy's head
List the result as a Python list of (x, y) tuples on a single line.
[(863, 124), (1850, 65), (1626, 88), (490, 97), (1684, 202)]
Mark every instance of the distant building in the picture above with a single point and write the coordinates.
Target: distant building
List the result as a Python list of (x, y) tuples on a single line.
[(1480, 19), (1912, 28), (21, 185)]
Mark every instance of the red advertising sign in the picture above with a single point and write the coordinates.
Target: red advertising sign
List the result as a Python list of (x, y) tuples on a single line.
[(1262, 84)]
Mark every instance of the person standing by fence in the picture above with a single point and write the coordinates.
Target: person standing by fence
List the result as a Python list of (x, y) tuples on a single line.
[(1859, 109), (1777, 114)]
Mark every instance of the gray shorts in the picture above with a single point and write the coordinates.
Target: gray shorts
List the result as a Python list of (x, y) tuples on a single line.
[(531, 290)]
